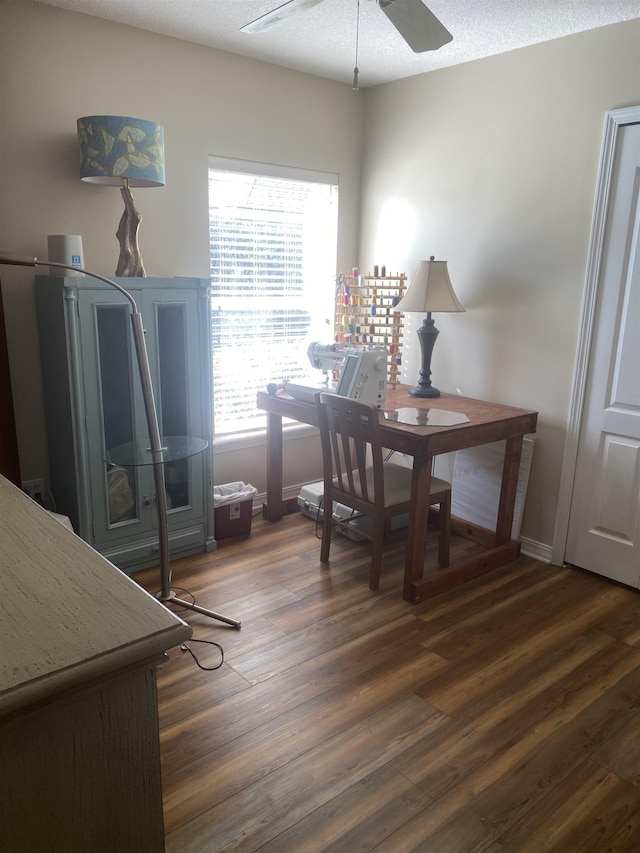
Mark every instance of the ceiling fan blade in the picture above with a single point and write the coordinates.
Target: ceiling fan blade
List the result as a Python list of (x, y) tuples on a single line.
[(416, 24), (276, 15)]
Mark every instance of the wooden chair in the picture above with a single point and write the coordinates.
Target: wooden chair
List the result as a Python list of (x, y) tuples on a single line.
[(355, 475)]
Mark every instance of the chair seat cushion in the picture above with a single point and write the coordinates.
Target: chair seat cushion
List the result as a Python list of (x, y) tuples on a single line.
[(397, 483)]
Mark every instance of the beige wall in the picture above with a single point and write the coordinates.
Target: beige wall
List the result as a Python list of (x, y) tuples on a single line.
[(56, 66), (492, 166)]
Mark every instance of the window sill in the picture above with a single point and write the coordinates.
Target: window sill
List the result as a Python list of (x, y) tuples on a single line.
[(242, 441)]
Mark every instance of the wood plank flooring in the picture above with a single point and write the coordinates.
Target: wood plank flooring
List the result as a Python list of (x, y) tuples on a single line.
[(502, 716)]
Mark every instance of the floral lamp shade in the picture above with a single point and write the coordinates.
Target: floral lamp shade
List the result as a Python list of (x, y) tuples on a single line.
[(114, 149), (123, 152)]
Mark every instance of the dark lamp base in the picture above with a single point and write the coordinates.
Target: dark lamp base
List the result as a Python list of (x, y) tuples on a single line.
[(424, 392), (427, 334)]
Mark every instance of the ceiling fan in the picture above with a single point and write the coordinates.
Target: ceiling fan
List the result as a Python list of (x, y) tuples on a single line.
[(416, 24)]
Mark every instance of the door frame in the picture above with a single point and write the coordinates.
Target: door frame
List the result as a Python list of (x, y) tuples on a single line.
[(614, 120)]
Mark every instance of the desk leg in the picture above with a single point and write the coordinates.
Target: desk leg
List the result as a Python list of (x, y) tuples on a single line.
[(417, 587), (508, 490), (272, 510), (417, 532)]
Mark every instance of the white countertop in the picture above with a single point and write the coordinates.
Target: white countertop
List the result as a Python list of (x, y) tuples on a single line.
[(67, 615)]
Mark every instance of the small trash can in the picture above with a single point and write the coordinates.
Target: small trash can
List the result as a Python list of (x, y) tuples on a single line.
[(233, 509)]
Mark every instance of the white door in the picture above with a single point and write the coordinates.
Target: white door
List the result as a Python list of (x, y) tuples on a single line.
[(604, 517)]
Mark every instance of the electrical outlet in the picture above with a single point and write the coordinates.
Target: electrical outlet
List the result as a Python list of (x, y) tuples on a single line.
[(35, 490)]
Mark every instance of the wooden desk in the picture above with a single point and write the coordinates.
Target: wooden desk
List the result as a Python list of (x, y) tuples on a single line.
[(488, 422)]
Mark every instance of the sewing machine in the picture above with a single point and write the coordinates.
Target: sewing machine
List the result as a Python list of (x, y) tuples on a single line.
[(361, 373)]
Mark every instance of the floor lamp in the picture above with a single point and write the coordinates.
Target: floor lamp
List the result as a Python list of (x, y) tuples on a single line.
[(166, 594)]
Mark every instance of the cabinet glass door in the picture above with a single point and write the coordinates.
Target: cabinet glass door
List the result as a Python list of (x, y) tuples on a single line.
[(173, 413), (173, 337), (116, 397), (122, 497)]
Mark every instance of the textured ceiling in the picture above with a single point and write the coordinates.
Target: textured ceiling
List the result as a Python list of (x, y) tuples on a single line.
[(321, 40)]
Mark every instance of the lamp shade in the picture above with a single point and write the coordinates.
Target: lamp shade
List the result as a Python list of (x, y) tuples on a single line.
[(119, 149), (430, 289)]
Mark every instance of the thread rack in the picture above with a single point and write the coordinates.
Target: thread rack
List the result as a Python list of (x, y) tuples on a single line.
[(365, 314)]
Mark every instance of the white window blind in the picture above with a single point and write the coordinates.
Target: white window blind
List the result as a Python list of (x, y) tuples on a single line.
[(272, 237)]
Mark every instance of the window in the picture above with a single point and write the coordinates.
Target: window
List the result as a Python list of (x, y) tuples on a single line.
[(272, 238)]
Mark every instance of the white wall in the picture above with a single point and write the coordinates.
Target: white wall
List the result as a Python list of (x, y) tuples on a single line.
[(492, 166), (56, 66)]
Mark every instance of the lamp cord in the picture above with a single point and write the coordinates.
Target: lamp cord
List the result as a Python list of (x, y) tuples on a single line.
[(186, 648)]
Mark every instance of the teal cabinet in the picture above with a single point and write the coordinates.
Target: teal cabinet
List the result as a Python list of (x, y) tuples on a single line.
[(93, 403)]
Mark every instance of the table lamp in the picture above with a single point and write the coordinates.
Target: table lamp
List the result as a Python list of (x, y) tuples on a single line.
[(124, 152), (430, 290)]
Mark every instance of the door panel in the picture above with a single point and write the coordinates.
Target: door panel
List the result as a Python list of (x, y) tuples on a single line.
[(604, 521)]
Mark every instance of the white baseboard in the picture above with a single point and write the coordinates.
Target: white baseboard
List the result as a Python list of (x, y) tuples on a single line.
[(287, 492), (537, 550), (529, 547)]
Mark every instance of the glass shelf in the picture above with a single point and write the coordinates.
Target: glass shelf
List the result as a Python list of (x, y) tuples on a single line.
[(174, 447)]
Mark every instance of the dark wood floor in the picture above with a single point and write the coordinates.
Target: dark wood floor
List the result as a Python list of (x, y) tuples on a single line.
[(500, 716)]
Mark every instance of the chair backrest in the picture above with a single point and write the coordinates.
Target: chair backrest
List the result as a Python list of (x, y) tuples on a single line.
[(349, 432)]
